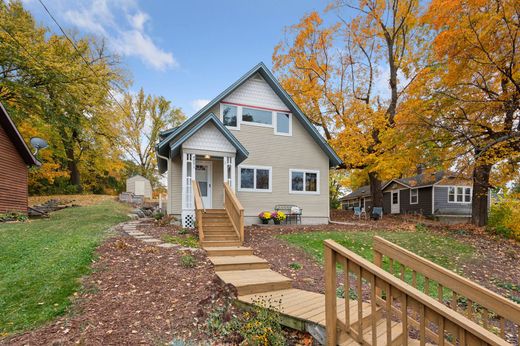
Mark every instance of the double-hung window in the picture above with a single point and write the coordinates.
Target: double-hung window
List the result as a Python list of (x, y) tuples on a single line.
[(459, 194), (414, 196), (255, 178), (283, 124), (304, 181)]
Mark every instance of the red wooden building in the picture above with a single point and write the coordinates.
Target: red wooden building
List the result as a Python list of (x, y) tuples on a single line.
[(15, 158)]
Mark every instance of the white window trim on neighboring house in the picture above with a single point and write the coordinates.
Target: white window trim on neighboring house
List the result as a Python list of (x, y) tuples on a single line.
[(240, 122), (456, 194), (239, 115), (304, 171), (254, 189), (417, 201)]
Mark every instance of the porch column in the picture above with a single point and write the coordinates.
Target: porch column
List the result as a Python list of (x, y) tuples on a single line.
[(229, 171), (188, 173)]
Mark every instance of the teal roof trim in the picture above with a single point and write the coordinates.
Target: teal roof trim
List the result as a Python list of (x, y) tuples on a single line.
[(334, 159), (175, 144)]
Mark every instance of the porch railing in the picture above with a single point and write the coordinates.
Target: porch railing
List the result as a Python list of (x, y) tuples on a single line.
[(234, 210), (477, 303), (199, 208), (387, 294)]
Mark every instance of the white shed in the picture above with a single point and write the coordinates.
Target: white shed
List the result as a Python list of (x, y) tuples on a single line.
[(139, 185)]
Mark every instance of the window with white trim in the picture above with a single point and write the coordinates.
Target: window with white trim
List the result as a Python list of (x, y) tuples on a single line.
[(257, 116), (414, 196), (283, 124), (304, 181), (230, 115), (255, 178), (459, 194)]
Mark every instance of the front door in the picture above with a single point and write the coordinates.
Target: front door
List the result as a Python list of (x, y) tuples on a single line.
[(203, 178), (395, 202)]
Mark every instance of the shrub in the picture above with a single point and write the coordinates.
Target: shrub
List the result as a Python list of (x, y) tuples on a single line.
[(258, 326), (295, 266), (504, 217), (13, 216), (188, 261), (158, 215), (183, 231)]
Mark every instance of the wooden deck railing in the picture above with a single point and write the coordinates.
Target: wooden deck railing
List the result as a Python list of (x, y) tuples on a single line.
[(477, 303), (387, 294), (234, 210), (199, 208)]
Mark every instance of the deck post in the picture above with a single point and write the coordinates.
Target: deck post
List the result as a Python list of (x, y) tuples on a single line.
[(331, 314)]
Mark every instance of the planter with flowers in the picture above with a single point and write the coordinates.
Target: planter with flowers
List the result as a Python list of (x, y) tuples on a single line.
[(278, 217), (265, 216)]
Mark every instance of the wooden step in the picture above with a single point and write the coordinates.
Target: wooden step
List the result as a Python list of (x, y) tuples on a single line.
[(222, 227), (210, 237), (215, 221), (229, 251), (215, 212), (345, 339), (218, 243), (255, 281), (222, 263), (219, 232)]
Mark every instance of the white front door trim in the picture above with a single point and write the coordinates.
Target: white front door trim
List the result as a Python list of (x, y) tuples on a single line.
[(206, 200), (394, 203)]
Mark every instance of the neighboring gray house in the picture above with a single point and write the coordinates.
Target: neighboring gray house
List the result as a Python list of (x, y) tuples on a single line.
[(139, 185), (254, 138), (439, 194), (358, 198)]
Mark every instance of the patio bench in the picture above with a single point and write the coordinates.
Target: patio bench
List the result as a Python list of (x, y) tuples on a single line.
[(293, 212)]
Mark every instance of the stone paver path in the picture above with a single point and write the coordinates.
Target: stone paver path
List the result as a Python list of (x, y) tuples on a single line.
[(130, 228)]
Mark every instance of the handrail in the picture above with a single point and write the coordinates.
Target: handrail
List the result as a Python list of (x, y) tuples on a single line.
[(234, 210), (451, 327), (490, 302), (199, 208)]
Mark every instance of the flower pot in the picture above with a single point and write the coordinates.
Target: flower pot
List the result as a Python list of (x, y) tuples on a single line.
[(276, 222), (265, 221)]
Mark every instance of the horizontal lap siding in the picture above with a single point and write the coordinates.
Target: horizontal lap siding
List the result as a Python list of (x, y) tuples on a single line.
[(13, 177), (424, 206), (442, 207)]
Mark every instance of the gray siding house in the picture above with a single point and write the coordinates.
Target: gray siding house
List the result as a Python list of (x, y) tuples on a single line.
[(435, 194), (253, 138)]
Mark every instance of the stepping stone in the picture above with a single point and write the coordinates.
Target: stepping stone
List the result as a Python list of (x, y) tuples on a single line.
[(135, 233), (143, 237), (167, 245), (152, 240)]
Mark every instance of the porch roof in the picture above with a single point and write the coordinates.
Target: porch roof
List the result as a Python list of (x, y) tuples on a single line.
[(175, 142)]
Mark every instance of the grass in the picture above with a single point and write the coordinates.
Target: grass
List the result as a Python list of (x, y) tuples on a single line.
[(443, 250), (41, 262), (188, 241)]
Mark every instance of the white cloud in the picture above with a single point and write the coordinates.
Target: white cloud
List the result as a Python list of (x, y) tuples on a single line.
[(122, 23), (198, 104)]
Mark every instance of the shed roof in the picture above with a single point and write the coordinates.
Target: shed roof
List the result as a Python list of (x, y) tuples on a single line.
[(16, 138)]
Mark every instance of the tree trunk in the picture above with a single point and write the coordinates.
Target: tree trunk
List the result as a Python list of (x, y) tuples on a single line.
[(479, 203), (72, 162), (375, 189)]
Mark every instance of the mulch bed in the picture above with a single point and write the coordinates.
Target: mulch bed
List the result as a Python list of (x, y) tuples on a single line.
[(137, 294)]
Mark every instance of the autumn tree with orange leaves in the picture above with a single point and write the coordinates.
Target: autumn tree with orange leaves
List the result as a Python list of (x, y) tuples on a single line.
[(469, 98), (332, 71)]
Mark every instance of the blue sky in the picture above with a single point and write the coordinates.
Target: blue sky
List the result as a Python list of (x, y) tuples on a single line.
[(186, 51)]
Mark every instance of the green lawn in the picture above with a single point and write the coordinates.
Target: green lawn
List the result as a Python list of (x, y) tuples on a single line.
[(42, 260), (442, 250)]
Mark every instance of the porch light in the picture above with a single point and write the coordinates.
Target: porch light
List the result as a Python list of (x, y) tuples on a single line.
[(207, 157)]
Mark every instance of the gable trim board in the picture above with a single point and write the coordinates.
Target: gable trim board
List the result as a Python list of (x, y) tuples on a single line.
[(175, 146), (16, 138), (334, 159)]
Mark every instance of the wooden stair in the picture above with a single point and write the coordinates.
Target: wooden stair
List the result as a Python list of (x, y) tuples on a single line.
[(255, 280), (243, 262), (218, 230)]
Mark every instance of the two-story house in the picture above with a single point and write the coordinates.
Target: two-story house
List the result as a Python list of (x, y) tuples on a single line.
[(255, 138)]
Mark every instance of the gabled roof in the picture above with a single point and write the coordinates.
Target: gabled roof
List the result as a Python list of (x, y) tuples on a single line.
[(428, 179), (16, 138), (363, 191), (176, 139), (334, 159)]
